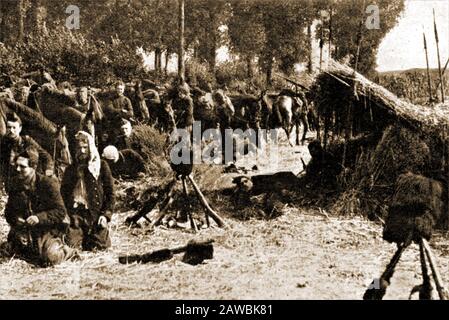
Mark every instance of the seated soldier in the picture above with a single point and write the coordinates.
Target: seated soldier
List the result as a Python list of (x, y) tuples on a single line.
[(323, 164), (120, 104), (127, 139), (124, 164), (88, 192), (12, 144), (36, 214)]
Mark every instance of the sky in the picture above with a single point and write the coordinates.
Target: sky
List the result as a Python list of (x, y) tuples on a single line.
[(403, 47)]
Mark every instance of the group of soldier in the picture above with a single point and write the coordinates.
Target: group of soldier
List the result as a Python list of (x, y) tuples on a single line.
[(51, 219)]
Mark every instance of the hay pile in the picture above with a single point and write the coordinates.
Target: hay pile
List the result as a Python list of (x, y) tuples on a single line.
[(152, 145), (417, 205), (392, 137), (373, 107), (368, 185)]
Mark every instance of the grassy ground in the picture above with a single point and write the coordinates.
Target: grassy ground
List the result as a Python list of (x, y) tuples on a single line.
[(303, 254)]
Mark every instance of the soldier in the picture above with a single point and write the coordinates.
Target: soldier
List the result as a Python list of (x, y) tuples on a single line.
[(121, 104), (124, 164), (123, 140), (36, 214), (13, 143), (88, 192)]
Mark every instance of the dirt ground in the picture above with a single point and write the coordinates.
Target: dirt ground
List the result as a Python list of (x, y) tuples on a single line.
[(303, 254)]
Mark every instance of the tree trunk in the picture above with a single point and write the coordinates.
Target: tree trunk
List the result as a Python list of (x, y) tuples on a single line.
[(2, 21), (212, 43), (167, 59), (35, 18), (158, 60), (181, 64), (309, 47), (269, 71), (249, 67), (20, 20), (155, 61)]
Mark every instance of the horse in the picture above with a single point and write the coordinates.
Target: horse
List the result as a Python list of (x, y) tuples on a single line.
[(50, 136), (74, 110), (289, 112)]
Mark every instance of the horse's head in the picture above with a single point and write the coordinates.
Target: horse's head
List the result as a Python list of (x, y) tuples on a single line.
[(61, 152), (170, 116), (223, 101)]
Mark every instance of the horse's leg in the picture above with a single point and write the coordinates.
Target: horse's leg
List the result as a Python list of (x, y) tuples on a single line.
[(297, 125), (288, 130), (306, 128)]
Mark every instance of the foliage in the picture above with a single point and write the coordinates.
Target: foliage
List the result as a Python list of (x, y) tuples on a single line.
[(153, 148), (346, 32), (10, 61), (198, 73), (70, 55), (275, 34)]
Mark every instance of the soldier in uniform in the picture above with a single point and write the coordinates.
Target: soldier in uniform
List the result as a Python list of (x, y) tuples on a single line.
[(36, 214), (12, 144)]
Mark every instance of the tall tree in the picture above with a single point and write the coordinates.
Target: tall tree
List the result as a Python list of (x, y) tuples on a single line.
[(203, 21), (181, 18), (246, 32), (345, 31)]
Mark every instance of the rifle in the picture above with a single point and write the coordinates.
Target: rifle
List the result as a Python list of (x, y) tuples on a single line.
[(438, 56), (429, 83), (195, 253), (292, 82)]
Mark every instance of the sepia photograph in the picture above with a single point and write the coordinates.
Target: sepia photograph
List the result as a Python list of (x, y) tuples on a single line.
[(212, 152)]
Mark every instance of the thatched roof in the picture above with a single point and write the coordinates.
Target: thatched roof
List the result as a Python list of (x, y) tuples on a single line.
[(335, 86)]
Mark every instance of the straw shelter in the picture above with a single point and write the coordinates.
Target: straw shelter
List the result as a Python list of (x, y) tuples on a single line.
[(377, 137)]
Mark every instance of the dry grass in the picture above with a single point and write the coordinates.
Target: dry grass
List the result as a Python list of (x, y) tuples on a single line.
[(303, 254), (300, 255)]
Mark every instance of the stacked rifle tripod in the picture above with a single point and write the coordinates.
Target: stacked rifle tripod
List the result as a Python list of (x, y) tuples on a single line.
[(165, 198)]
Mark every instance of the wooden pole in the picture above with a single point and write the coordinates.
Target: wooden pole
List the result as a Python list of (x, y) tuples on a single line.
[(349, 120), (429, 81), (376, 291), (321, 44), (425, 293), (444, 70), (438, 55), (442, 292), (189, 208), (330, 33), (210, 212), (181, 64)]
